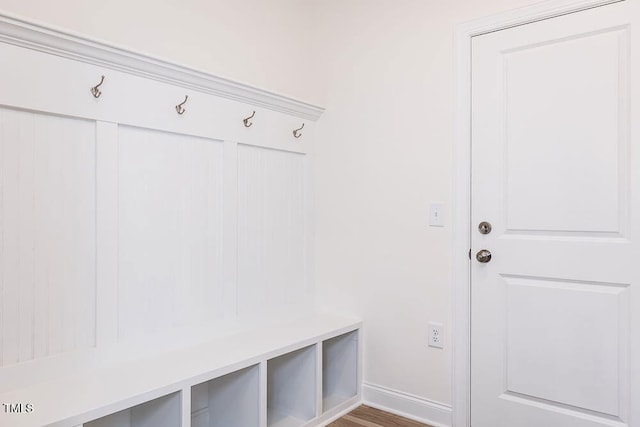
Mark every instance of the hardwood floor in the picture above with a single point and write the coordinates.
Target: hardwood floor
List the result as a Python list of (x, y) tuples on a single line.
[(365, 416)]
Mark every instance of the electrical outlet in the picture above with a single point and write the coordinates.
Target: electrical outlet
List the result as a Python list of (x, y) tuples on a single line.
[(436, 335)]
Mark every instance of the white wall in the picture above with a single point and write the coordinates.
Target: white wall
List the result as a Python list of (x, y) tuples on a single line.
[(383, 153), (262, 43)]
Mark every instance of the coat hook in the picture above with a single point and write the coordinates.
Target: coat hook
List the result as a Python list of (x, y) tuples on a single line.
[(179, 108), (297, 133), (95, 91), (246, 121)]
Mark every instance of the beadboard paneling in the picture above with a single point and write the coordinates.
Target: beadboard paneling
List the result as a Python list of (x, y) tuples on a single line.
[(47, 235), (271, 228), (178, 226), (170, 231)]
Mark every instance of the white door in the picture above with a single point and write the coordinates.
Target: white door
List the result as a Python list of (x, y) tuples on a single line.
[(555, 318)]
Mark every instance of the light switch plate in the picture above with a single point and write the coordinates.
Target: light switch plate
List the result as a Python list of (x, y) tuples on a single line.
[(436, 214)]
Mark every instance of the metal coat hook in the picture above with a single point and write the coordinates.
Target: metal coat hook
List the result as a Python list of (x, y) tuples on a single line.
[(95, 91), (179, 108), (247, 122), (297, 133)]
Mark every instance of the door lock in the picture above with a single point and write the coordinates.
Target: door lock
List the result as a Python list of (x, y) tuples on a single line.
[(484, 227)]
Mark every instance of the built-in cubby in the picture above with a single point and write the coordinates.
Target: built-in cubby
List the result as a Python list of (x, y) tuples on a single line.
[(232, 400), (284, 374), (339, 370), (291, 388), (161, 412)]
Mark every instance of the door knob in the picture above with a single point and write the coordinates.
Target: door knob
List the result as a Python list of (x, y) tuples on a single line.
[(483, 256)]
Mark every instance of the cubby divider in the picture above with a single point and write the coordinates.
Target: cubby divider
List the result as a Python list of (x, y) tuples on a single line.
[(339, 370)]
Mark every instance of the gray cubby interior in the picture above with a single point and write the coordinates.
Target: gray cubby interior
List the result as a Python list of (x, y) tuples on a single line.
[(232, 400), (339, 369), (161, 412), (291, 388)]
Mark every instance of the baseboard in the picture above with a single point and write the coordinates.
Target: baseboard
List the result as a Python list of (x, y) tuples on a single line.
[(407, 405)]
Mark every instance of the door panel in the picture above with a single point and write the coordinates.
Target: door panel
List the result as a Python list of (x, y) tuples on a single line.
[(569, 128), (584, 374), (553, 171)]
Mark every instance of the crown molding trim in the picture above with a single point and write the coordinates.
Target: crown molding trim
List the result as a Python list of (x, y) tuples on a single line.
[(20, 32)]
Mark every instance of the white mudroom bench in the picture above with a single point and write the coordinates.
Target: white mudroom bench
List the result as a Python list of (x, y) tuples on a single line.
[(154, 218), (302, 372)]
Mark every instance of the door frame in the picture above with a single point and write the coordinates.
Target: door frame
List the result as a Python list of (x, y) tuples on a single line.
[(461, 379)]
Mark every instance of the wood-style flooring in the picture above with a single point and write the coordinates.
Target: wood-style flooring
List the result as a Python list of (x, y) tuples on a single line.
[(365, 416)]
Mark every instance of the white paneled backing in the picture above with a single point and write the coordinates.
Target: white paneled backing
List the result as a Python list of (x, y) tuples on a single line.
[(271, 228), (47, 235), (122, 220), (170, 214)]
